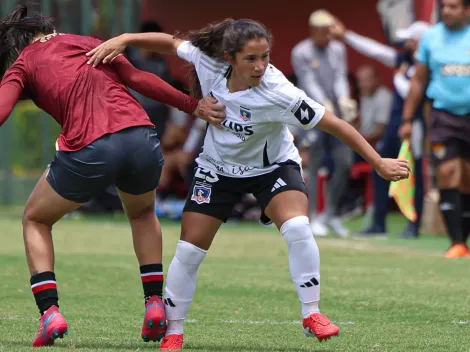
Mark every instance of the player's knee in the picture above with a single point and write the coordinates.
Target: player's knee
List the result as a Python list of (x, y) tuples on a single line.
[(448, 175), (27, 217), (141, 212), (30, 216), (296, 229), (188, 254)]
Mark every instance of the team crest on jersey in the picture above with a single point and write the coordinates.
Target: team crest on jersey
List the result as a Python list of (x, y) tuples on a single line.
[(245, 114), (201, 194)]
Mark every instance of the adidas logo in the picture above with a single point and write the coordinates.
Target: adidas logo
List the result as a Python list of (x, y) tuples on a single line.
[(279, 183), (169, 302), (310, 283)]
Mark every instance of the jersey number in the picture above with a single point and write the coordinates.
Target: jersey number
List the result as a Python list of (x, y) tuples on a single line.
[(206, 175)]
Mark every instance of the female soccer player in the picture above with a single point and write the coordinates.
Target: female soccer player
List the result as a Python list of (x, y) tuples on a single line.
[(106, 139), (253, 152)]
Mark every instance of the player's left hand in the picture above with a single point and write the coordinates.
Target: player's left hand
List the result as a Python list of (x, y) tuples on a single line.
[(209, 110), (393, 169), (107, 51)]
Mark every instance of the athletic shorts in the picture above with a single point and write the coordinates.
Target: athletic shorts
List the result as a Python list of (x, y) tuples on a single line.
[(215, 195), (449, 135), (131, 159)]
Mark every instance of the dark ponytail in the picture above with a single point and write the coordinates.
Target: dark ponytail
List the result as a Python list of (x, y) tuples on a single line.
[(228, 35), (17, 31)]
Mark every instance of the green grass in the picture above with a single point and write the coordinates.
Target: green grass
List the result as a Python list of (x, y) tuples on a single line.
[(386, 295)]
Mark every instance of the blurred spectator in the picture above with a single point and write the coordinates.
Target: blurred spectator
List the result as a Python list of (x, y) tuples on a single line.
[(375, 104), (443, 72), (389, 145), (320, 66), (154, 63)]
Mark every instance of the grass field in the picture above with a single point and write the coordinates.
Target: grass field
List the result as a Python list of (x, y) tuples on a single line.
[(386, 295)]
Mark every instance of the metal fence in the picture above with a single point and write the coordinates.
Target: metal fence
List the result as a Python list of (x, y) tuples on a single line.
[(28, 137)]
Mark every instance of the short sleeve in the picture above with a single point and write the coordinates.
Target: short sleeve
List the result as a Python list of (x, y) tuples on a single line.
[(207, 68), (297, 109), (422, 54)]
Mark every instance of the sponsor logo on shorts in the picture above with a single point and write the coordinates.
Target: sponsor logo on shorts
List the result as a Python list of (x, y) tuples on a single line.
[(279, 183), (439, 151), (201, 194)]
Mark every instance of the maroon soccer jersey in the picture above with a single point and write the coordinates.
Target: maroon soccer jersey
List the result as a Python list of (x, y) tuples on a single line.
[(87, 102)]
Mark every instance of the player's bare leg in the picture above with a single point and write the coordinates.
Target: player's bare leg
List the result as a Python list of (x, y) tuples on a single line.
[(146, 230), (43, 209), (197, 232), (147, 238), (289, 211)]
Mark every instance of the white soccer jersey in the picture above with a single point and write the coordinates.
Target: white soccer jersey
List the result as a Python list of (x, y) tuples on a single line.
[(255, 138)]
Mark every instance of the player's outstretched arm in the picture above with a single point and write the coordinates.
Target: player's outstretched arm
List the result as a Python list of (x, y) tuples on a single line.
[(161, 43), (10, 93), (366, 46), (155, 88), (389, 169)]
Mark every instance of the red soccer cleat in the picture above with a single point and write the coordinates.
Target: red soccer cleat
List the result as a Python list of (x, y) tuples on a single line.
[(319, 326), (51, 326), (154, 326), (172, 342)]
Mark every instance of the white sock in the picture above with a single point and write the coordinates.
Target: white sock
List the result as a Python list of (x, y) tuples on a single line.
[(174, 327), (304, 262), (181, 284)]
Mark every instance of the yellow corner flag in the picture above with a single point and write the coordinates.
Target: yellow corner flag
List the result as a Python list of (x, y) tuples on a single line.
[(404, 191)]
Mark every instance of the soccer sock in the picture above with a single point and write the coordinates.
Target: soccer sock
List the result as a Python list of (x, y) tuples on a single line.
[(152, 280), (44, 289), (450, 206), (181, 284), (304, 262), (465, 204)]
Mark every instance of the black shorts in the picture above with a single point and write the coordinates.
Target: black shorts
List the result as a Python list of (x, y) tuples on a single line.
[(215, 195), (449, 135), (130, 159)]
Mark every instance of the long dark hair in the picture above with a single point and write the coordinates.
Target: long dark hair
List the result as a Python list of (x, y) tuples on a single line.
[(17, 30), (228, 35)]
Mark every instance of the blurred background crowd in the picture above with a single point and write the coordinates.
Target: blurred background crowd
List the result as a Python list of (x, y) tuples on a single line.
[(356, 58)]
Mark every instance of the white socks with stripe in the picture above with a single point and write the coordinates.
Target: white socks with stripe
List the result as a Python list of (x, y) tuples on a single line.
[(304, 262), (181, 284)]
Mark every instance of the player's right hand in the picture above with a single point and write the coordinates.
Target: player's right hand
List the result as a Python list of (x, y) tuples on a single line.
[(209, 110), (107, 51), (393, 169)]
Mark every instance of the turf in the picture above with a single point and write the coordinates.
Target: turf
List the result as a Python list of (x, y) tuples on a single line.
[(386, 295)]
